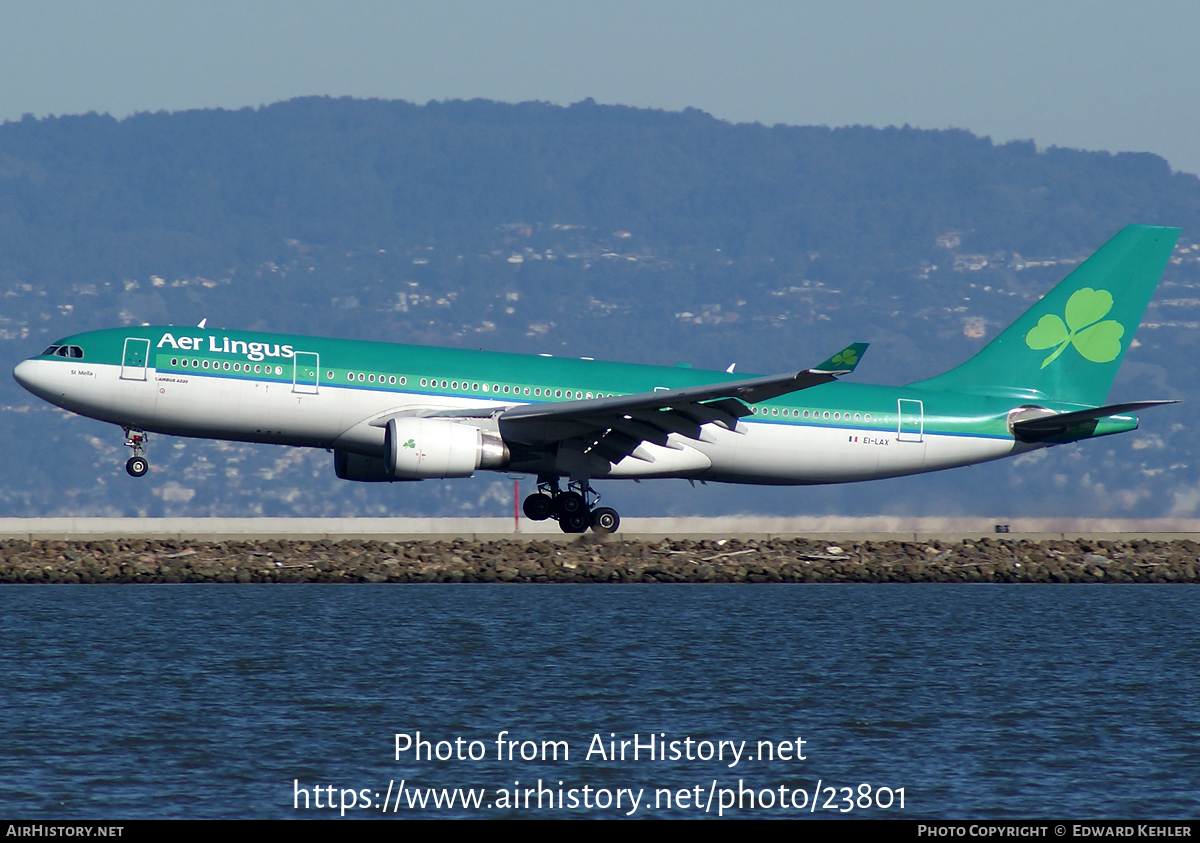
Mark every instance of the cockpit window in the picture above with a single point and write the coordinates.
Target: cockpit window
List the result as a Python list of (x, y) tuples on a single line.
[(65, 351)]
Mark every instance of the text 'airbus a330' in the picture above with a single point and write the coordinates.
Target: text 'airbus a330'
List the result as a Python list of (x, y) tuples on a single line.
[(392, 412)]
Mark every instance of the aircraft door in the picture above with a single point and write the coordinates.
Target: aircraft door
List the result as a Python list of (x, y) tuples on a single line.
[(133, 359), (911, 426), (307, 372)]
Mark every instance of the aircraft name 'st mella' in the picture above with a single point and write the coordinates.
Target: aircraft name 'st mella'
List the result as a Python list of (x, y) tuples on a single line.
[(392, 412)]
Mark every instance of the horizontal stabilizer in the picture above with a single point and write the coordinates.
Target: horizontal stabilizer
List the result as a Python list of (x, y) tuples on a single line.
[(1044, 427)]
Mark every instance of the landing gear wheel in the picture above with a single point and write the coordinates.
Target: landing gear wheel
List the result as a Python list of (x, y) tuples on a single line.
[(538, 507), (571, 503), (136, 439), (576, 522), (605, 520), (574, 509)]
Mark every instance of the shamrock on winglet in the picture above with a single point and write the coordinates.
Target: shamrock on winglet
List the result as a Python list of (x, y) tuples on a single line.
[(845, 360)]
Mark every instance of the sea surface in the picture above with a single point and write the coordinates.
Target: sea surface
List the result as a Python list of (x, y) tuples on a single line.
[(243, 701)]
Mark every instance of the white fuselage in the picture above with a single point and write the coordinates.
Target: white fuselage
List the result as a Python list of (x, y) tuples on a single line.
[(759, 451)]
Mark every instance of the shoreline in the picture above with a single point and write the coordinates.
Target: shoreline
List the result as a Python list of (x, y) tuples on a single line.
[(592, 559)]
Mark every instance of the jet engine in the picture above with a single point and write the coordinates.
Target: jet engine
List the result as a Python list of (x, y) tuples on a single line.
[(417, 448)]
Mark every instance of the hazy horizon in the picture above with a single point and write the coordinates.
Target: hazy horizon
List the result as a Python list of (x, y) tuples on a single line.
[(1087, 75)]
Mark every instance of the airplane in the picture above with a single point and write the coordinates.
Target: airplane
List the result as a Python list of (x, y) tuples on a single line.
[(392, 412)]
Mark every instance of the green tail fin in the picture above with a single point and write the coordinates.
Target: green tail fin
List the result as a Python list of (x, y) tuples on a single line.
[(1068, 346)]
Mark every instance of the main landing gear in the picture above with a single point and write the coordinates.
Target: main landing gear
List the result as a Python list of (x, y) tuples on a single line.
[(575, 509), (137, 465)]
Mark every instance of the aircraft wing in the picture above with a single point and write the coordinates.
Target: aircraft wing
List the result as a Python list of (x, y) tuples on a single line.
[(615, 427)]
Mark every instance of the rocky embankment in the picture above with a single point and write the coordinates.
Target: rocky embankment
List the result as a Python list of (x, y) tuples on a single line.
[(590, 560)]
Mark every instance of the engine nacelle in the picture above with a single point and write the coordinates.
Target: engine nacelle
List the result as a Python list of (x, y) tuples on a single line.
[(419, 448), (350, 466)]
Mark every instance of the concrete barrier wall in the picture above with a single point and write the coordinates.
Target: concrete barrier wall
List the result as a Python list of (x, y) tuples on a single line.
[(477, 529)]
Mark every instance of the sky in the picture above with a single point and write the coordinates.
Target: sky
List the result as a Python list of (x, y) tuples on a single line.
[(1099, 75)]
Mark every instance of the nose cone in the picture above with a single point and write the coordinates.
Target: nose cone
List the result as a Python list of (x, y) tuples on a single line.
[(23, 374), (28, 374)]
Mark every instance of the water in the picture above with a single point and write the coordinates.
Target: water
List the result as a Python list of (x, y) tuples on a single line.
[(228, 701)]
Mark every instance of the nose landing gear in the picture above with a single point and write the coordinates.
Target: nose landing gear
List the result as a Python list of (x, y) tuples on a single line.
[(574, 509), (137, 465)]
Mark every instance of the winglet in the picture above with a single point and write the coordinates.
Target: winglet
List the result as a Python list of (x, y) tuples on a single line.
[(843, 362)]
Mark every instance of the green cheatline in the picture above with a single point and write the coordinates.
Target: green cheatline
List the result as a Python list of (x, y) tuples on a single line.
[(1099, 342)]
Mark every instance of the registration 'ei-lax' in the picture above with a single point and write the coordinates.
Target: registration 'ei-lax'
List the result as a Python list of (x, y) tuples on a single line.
[(392, 412)]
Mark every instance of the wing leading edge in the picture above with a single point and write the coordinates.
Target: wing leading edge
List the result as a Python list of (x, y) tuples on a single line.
[(614, 428)]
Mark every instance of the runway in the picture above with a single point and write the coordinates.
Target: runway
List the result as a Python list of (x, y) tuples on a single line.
[(744, 528)]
